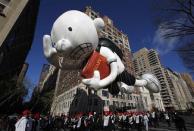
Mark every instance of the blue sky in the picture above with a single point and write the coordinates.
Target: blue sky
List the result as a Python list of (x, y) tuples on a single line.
[(133, 17)]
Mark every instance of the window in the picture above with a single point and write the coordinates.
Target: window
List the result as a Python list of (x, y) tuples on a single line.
[(114, 103), (130, 97), (134, 97), (110, 37), (116, 41), (122, 96), (124, 104), (107, 104), (105, 93), (2, 7), (92, 13)]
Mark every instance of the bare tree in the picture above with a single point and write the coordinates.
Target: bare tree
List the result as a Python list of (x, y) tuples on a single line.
[(186, 52), (11, 98), (176, 17)]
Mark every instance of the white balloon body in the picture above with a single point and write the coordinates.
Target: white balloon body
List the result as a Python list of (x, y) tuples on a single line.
[(73, 38)]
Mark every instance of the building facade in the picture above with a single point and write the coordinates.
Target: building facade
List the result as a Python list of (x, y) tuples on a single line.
[(147, 61), (17, 26), (188, 95), (22, 73), (42, 96), (190, 83), (47, 78), (181, 92), (79, 99), (176, 87), (70, 82)]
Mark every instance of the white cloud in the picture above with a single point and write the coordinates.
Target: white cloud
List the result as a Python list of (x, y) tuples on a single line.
[(161, 44)]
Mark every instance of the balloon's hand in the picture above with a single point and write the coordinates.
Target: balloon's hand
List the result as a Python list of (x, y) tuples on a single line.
[(94, 82), (50, 52), (47, 46)]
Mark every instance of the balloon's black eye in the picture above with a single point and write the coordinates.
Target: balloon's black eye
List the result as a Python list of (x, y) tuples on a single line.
[(69, 28)]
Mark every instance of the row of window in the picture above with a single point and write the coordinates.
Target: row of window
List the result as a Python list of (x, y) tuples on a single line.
[(66, 96), (105, 93), (119, 104), (113, 37), (96, 103)]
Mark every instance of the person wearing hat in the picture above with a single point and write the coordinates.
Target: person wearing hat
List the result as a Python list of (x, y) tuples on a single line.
[(22, 122), (31, 123), (120, 119), (112, 121), (131, 120), (95, 118), (37, 121), (90, 121), (67, 121), (106, 120), (81, 122)]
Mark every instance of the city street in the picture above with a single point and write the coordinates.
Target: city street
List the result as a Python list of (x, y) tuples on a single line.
[(96, 65), (164, 126)]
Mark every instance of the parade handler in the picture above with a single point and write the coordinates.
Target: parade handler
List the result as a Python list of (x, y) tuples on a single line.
[(74, 45)]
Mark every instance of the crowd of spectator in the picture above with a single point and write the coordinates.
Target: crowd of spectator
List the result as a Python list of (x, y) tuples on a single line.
[(92, 121)]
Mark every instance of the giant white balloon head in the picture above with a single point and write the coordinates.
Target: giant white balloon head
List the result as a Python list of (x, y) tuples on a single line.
[(74, 34)]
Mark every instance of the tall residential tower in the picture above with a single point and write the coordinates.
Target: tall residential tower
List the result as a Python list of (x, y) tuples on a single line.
[(147, 61)]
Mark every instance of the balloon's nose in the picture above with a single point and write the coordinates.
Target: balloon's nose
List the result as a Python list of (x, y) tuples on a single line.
[(63, 45)]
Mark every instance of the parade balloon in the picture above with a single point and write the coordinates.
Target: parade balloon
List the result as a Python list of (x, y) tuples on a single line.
[(74, 44)]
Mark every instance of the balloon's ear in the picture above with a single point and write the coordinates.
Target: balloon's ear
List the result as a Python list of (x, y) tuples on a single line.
[(99, 23)]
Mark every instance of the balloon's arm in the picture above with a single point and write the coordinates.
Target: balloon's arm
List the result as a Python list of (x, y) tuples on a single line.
[(52, 56), (50, 52), (95, 81), (111, 77), (140, 83), (112, 60)]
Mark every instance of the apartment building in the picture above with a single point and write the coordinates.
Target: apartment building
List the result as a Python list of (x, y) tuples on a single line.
[(147, 61)]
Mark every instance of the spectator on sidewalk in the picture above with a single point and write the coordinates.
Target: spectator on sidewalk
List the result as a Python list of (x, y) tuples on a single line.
[(179, 123), (153, 116), (145, 121), (138, 121), (167, 118), (106, 121), (30, 123), (22, 122)]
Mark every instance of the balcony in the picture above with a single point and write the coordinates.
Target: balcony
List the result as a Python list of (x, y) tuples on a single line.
[(3, 5)]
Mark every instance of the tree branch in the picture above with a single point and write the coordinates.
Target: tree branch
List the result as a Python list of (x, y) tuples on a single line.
[(176, 34), (182, 5), (190, 8)]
